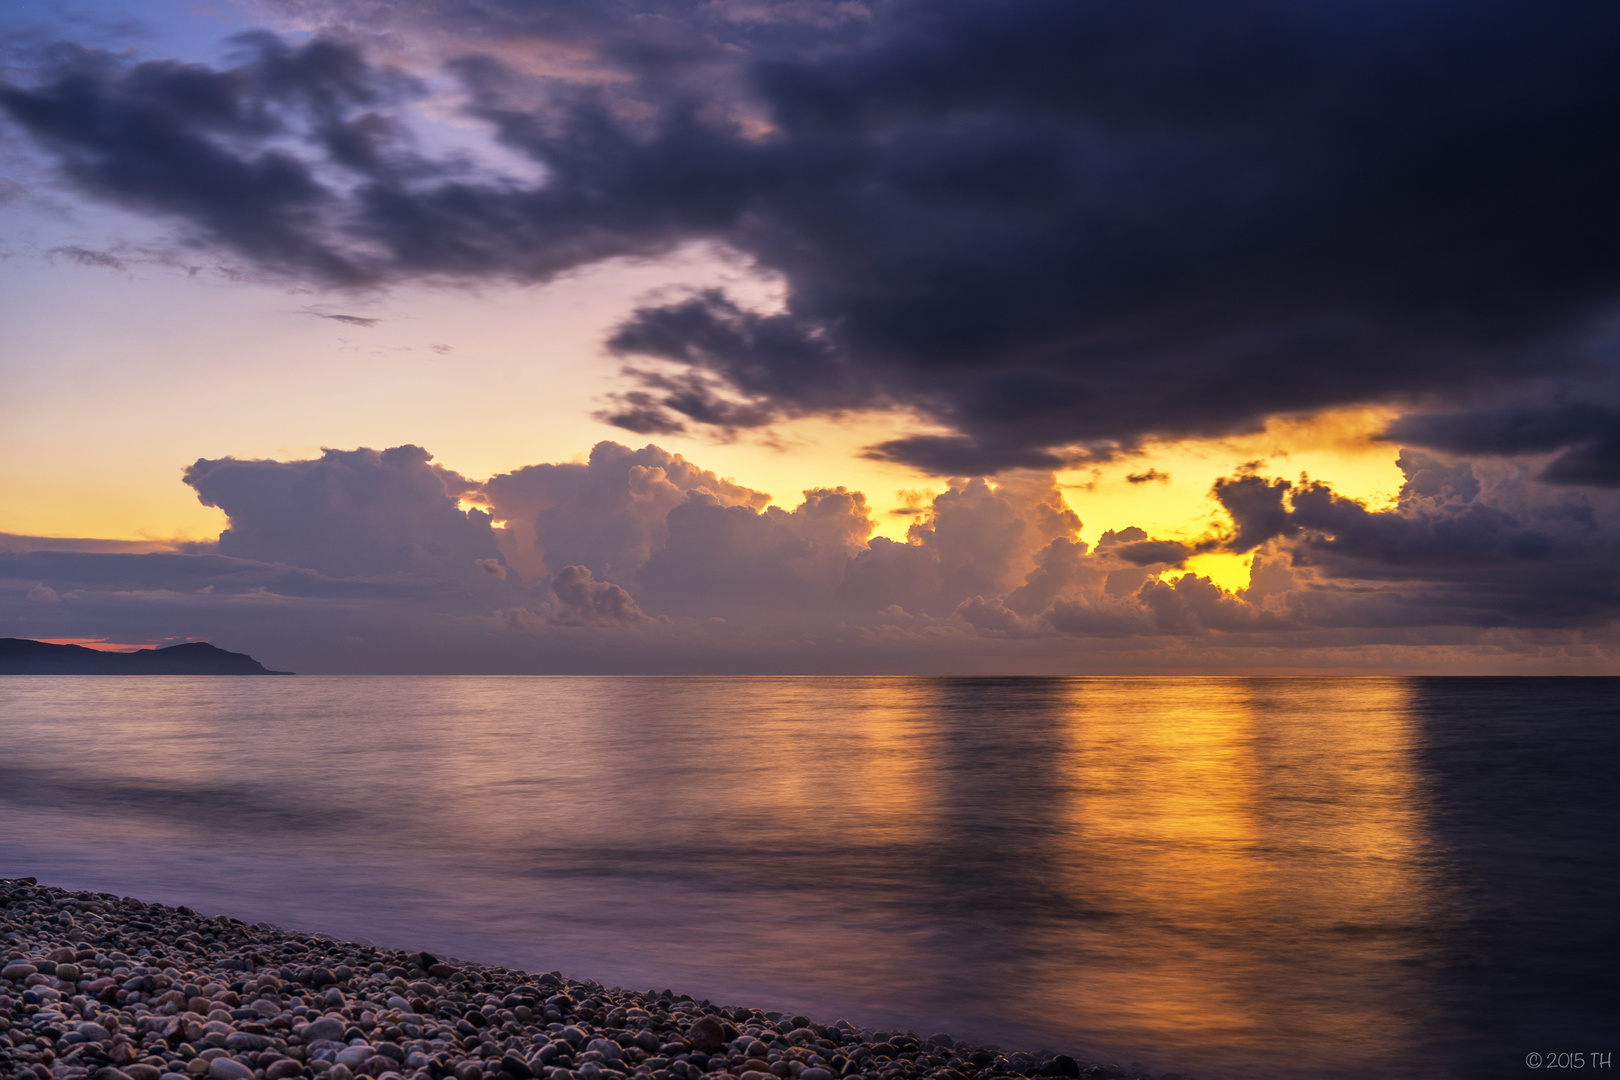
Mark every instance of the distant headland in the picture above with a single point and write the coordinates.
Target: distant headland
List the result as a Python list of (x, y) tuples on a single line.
[(22, 656)]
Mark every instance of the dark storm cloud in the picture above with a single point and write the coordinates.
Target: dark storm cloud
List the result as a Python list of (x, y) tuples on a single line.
[(767, 358), (1154, 553), (1466, 545), (1054, 228), (198, 144), (1587, 437), (1255, 505)]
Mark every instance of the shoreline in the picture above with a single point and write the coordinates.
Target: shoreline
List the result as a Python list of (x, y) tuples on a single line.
[(110, 988)]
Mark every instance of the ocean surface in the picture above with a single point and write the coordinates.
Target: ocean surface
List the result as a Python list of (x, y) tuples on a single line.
[(1219, 877)]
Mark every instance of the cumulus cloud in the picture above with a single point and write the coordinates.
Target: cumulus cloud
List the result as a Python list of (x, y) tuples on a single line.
[(584, 601), (721, 560), (350, 513), (641, 560), (608, 514), (1054, 229)]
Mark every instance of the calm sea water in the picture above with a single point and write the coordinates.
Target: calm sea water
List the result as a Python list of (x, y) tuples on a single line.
[(1221, 877)]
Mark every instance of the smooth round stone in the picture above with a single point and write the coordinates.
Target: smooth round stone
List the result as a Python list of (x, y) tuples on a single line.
[(227, 1068), (94, 1032), (18, 971), (517, 1067), (606, 1047), (355, 1055), (708, 1035), (327, 1027), (814, 1073)]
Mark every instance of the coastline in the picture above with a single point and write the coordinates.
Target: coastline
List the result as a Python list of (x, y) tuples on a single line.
[(111, 988)]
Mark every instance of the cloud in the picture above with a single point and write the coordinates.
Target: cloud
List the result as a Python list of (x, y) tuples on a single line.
[(200, 145), (1052, 229), (584, 601), (638, 560), (19, 542), (1468, 544), (720, 560), (1255, 505), (352, 320), (84, 256), (350, 513), (608, 515), (1586, 437), (1154, 553)]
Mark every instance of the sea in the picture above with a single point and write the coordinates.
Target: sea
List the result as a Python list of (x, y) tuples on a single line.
[(1214, 877)]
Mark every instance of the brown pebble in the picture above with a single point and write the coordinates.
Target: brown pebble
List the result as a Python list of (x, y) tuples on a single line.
[(708, 1035)]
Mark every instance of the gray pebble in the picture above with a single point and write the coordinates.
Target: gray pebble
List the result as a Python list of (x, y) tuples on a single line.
[(355, 1055), (327, 1027), (224, 1068)]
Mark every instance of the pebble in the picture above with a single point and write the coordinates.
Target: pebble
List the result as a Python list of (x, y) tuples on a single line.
[(355, 1055), (224, 1068), (98, 987), (326, 1028)]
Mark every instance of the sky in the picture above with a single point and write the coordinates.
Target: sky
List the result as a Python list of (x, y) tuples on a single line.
[(870, 336)]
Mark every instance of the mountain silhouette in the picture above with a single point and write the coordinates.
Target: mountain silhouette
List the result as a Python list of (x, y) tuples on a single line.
[(22, 656)]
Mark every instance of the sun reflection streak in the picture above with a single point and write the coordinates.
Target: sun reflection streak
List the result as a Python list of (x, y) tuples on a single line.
[(1258, 854)]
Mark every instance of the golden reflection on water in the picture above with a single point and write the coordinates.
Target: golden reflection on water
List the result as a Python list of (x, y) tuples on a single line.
[(1258, 848)]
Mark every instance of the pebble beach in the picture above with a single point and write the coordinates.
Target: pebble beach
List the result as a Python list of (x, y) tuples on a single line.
[(111, 988)]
